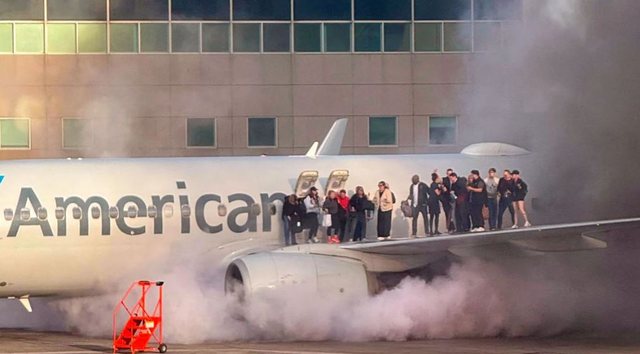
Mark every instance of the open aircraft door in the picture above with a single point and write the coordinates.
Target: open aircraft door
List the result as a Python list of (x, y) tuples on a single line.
[(306, 180), (337, 180)]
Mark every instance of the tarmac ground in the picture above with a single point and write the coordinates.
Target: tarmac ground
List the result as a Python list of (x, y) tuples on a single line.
[(31, 342)]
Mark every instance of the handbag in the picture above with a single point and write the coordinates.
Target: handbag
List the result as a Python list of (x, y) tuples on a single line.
[(406, 208), (326, 220)]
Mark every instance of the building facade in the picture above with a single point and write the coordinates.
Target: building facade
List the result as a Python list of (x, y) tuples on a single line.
[(88, 78)]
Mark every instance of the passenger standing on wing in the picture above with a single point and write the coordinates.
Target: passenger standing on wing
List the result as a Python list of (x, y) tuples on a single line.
[(448, 201), (291, 219), (331, 207), (384, 200), (435, 193), (492, 197), (505, 192), (418, 197), (312, 206), (459, 187), (343, 214), (358, 204), (478, 194), (521, 189)]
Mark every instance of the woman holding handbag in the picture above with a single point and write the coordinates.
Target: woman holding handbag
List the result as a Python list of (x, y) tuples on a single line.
[(331, 219)]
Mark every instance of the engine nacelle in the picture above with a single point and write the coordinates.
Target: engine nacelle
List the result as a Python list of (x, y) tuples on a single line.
[(270, 270)]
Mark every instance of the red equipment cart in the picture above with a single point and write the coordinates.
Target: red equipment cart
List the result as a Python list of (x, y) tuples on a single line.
[(142, 330)]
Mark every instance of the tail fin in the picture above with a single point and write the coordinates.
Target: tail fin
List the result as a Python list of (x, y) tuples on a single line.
[(332, 143)]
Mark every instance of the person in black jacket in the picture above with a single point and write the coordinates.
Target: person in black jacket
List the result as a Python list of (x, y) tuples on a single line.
[(360, 206), (418, 199), (478, 199), (291, 217), (448, 201), (505, 192), (459, 187), (520, 192), (435, 192)]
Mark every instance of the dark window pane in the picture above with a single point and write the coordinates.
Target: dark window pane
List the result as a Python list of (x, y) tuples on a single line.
[(307, 37), (215, 37), (428, 37), (262, 132), (337, 37), (124, 38), (185, 37), (442, 130), (76, 133), (261, 10), (139, 9), (200, 10), (382, 131), (21, 10), (246, 37), (497, 9), (322, 9), (77, 10), (397, 37), (382, 9), (457, 37), (154, 37), (367, 37), (442, 10), (276, 37), (201, 132)]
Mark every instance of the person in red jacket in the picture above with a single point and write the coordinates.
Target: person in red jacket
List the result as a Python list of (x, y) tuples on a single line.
[(343, 213)]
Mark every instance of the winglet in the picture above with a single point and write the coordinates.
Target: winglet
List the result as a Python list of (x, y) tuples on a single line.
[(332, 143), (24, 300), (313, 150)]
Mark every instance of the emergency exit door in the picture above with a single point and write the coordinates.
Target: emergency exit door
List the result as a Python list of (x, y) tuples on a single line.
[(337, 181), (306, 180)]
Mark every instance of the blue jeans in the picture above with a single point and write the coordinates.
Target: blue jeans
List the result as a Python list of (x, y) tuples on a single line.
[(492, 204), (505, 203)]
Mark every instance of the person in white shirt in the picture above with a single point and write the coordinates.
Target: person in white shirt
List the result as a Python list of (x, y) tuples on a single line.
[(492, 197), (312, 206), (418, 199)]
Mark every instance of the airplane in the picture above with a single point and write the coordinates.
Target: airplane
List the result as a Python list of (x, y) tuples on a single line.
[(73, 227)]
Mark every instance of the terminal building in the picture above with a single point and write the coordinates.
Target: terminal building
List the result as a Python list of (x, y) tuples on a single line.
[(92, 78)]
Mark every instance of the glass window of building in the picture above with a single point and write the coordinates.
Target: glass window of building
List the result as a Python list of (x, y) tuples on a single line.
[(497, 9), (277, 37), (154, 37), (76, 133), (215, 37), (309, 10), (201, 132), (139, 9), (262, 132), (246, 37), (442, 10), (397, 37), (368, 37), (428, 37), (61, 38), (73, 10), (15, 133), (6, 38), (29, 37), (92, 38), (382, 9), (217, 10), (124, 38), (337, 37), (442, 130), (457, 37), (383, 131), (273, 10), (307, 37), (22, 10), (486, 36), (185, 37)]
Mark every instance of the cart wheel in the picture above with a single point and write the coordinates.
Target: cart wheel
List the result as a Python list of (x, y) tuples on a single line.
[(162, 348)]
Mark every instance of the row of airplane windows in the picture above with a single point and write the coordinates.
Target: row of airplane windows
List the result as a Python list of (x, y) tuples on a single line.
[(262, 132), (278, 10), (259, 37)]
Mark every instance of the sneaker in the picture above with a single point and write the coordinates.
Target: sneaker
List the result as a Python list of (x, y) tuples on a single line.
[(514, 226), (474, 230), (315, 240), (437, 233), (527, 224), (380, 238), (480, 229)]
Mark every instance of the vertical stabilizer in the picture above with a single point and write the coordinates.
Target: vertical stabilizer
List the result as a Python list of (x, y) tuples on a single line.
[(332, 143)]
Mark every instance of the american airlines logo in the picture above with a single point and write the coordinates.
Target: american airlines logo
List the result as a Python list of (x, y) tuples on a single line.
[(242, 218)]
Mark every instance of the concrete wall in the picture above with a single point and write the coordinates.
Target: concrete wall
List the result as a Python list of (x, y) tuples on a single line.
[(138, 104)]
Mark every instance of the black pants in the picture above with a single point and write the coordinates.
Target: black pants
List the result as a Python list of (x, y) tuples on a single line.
[(505, 203), (416, 211), (384, 223), (462, 217), (434, 220), (447, 208), (342, 226), (311, 223), (360, 227), (476, 215)]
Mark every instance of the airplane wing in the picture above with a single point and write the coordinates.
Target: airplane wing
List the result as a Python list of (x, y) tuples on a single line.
[(553, 238)]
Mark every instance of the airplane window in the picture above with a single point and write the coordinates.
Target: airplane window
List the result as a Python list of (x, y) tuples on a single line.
[(25, 214), (132, 211), (255, 209), (152, 211), (60, 213), (76, 213), (185, 211), (113, 212), (42, 213), (8, 214), (168, 211), (222, 210), (95, 212)]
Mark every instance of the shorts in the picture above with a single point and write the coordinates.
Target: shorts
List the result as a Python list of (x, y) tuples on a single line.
[(519, 198)]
